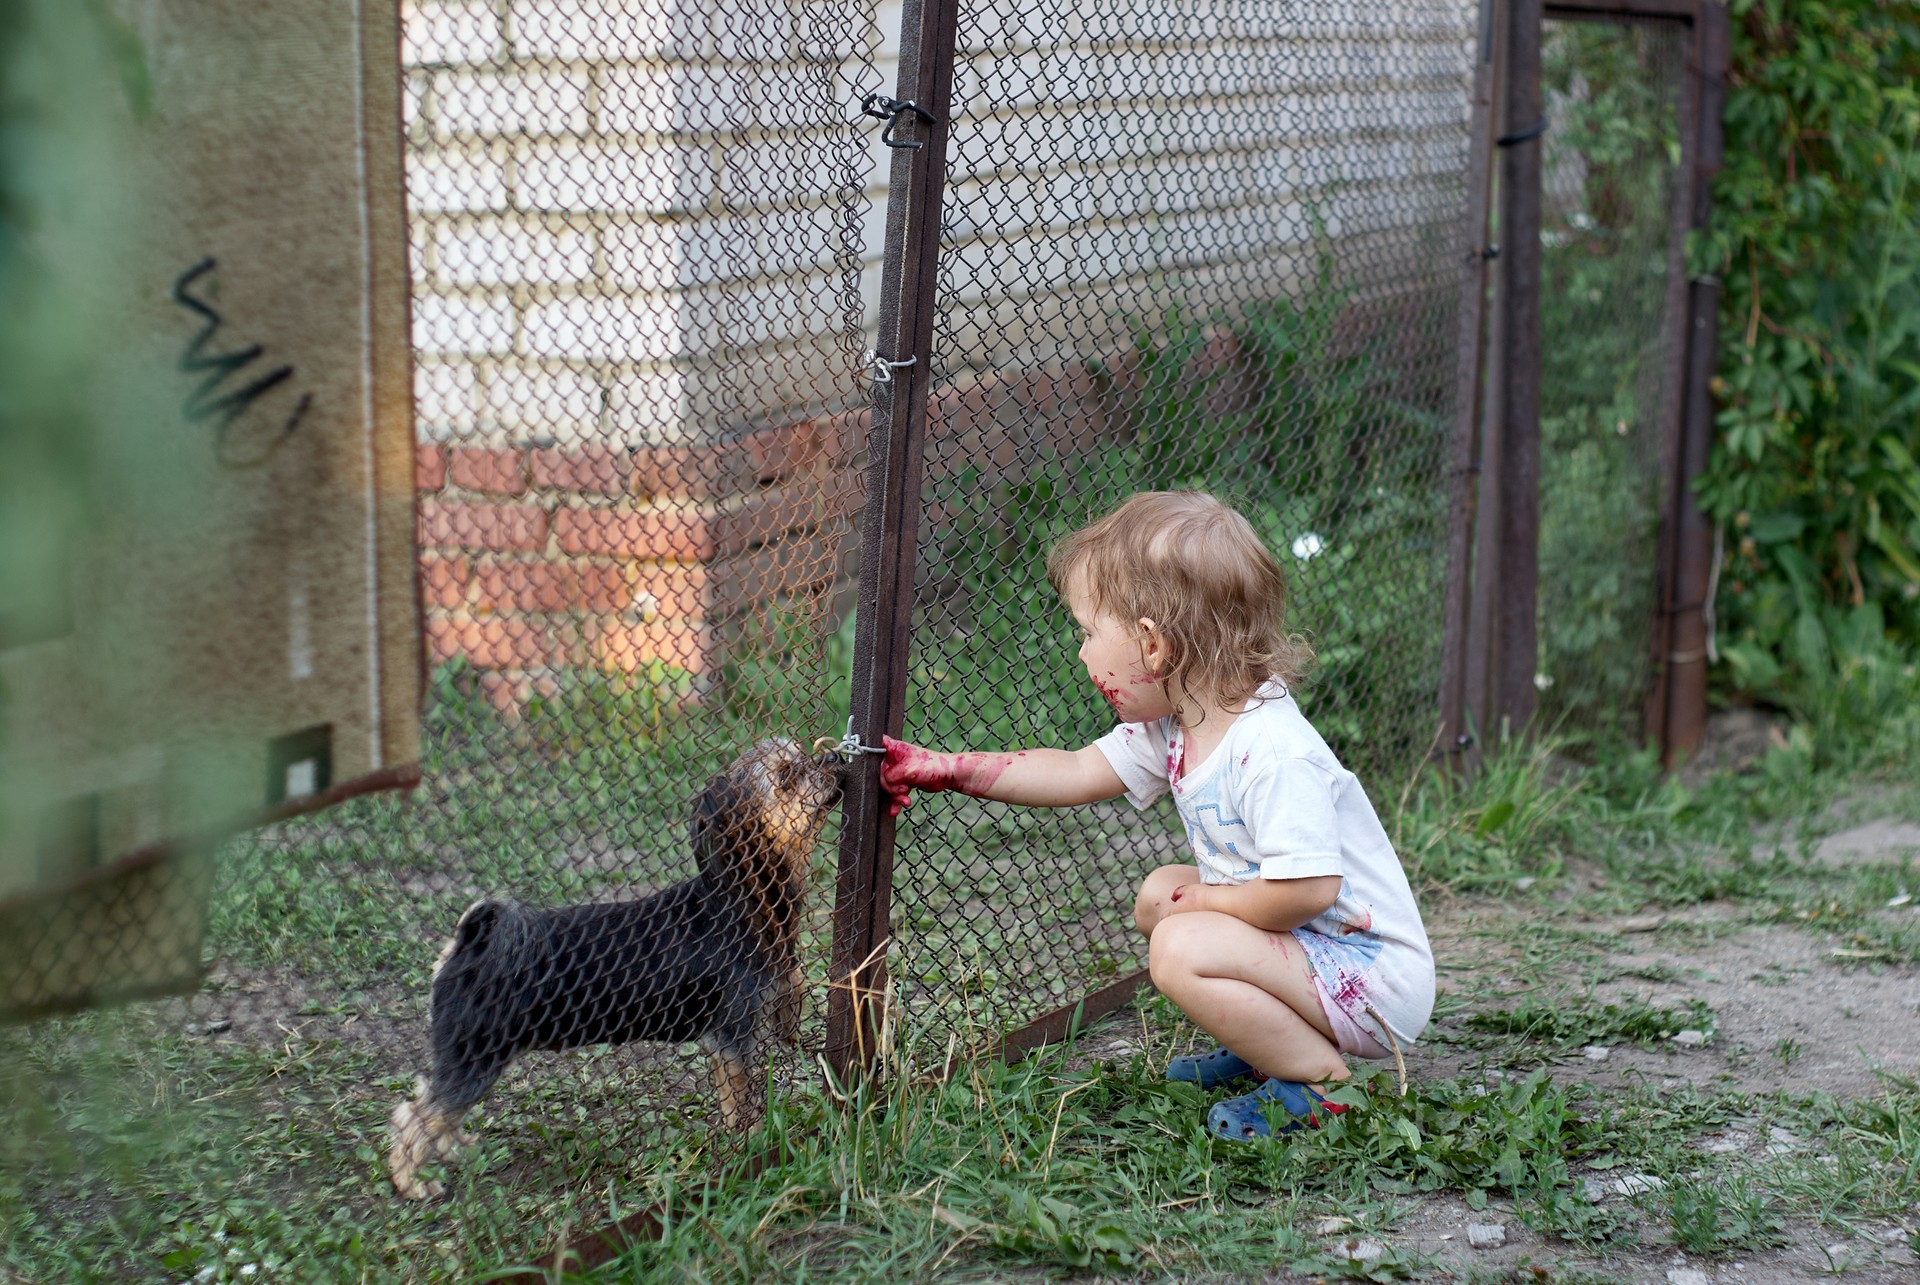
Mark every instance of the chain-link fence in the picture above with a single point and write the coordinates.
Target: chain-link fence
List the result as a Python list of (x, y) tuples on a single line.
[(646, 241), (1216, 246), (1217, 251), (641, 257), (1612, 303)]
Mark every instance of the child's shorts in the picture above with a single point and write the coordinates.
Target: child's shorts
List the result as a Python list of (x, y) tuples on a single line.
[(1340, 973)]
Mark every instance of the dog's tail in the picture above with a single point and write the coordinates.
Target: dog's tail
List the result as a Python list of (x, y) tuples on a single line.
[(483, 992)]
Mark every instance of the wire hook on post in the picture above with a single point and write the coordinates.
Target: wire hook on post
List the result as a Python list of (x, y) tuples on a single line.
[(883, 369), (881, 107)]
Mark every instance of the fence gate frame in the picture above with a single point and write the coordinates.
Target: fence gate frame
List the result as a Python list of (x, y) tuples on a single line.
[(1491, 594)]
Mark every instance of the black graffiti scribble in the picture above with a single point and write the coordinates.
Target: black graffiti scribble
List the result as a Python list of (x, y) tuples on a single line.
[(203, 404)]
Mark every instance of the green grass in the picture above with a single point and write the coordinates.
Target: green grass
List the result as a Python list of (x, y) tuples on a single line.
[(136, 1149)]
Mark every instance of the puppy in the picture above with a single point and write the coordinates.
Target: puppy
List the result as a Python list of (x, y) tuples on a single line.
[(713, 959)]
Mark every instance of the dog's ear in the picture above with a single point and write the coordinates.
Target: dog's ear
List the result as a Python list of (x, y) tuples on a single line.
[(476, 927), (716, 823)]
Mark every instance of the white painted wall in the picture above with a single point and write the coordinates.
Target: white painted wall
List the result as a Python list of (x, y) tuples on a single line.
[(604, 191)]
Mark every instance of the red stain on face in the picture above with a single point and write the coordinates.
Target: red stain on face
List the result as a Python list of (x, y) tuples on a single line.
[(1113, 694)]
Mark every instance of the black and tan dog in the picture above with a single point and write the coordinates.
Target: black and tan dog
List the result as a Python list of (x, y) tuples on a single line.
[(712, 959)]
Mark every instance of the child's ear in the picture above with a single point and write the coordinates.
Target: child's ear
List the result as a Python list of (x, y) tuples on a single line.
[(1153, 645)]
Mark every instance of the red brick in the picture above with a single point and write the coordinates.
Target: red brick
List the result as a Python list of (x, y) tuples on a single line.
[(632, 647), (681, 533), (444, 581), (778, 454), (496, 471), (502, 527), (1220, 350), (671, 591), (843, 437), (697, 472), (1069, 405), (954, 411), (768, 517), (557, 586), (1120, 384), (429, 467), (590, 470), (496, 642), (507, 693)]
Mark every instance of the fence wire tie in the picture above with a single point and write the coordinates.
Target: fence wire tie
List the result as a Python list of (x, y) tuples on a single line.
[(881, 107), (883, 369), (848, 745)]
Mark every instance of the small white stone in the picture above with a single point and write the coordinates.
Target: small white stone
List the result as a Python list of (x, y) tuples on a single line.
[(1593, 1189), (1690, 1039), (1596, 1052), (1726, 1142), (1486, 1235), (1634, 1184), (1687, 1276), (1524, 882), (1781, 1141), (1328, 1226), (1642, 923)]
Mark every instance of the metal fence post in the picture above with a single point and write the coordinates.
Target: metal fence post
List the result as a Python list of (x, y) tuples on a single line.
[(889, 524), (1686, 577), (1456, 738), (1516, 627)]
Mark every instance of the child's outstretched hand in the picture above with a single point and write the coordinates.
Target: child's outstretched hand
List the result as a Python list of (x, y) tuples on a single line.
[(907, 768)]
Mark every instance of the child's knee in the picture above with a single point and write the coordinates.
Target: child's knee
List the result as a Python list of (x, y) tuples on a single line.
[(1149, 904), (1171, 949), (1146, 909)]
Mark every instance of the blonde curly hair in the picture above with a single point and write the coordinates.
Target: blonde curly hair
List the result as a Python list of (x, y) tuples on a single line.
[(1194, 566)]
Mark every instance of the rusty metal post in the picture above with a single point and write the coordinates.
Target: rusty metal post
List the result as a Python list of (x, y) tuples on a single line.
[(1456, 739), (889, 523), (1518, 523), (1687, 576)]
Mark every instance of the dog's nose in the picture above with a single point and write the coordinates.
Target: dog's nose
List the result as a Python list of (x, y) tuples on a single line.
[(836, 766)]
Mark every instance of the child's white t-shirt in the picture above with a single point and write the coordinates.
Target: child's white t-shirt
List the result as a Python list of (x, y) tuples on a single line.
[(1273, 802)]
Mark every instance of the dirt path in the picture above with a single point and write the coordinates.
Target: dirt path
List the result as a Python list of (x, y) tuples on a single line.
[(1795, 1012)]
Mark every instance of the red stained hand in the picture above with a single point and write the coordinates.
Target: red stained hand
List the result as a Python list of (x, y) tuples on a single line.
[(907, 768)]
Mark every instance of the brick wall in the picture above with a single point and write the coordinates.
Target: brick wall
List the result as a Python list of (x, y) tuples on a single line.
[(538, 558), (628, 309)]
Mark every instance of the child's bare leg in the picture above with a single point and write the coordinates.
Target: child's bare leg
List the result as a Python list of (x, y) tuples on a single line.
[(1250, 989), (1150, 904)]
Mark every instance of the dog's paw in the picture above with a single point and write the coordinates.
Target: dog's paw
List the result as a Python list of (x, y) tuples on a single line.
[(412, 1186)]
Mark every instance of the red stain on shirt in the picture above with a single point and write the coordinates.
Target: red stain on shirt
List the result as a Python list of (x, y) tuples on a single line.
[(1348, 990)]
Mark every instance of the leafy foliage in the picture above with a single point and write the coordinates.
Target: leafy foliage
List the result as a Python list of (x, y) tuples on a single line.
[(1816, 241)]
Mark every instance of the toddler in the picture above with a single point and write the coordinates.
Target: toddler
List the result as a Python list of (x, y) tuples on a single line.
[(1293, 937)]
